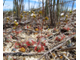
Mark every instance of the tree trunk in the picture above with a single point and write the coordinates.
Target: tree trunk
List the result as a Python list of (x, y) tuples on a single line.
[(53, 12), (50, 2), (43, 7), (4, 2), (29, 4), (57, 12), (72, 5), (46, 8)]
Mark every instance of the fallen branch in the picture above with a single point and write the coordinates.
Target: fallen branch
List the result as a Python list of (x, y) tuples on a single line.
[(71, 48), (23, 54)]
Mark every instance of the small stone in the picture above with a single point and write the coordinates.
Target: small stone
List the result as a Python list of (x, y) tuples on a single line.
[(69, 45), (13, 49)]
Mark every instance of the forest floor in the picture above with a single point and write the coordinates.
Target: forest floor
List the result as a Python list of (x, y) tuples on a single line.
[(32, 38)]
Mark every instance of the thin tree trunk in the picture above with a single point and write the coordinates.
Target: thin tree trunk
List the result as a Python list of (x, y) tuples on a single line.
[(46, 8), (57, 12), (50, 2), (53, 12), (17, 9), (43, 7), (4, 2), (29, 4), (72, 5)]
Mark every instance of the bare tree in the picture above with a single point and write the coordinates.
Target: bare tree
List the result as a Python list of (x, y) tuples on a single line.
[(72, 5), (46, 8), (54, 12), (18, 7), (4, 2), (29, 4), (50, 4), (43, 7)]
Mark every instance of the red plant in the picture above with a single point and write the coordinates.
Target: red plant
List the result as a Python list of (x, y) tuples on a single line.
[(63, 36), (13, 31), (66, 28), (16, 45), (43, 41), (27, 27), (19, 42), (74, 33), (45, 36), (34, 41), (40, 28), (24, 44), (49, 35), (54, 28), (30, 42), (39, 48), (9, 38), (38, 36), (17, 32), (59, 38), (41, 36)]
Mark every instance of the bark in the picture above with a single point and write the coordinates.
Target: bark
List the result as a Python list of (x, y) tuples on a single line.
[(72, 5), (50, 2), (4, 2), (46, 8), (43, 7), (53, 12), (67, 49)]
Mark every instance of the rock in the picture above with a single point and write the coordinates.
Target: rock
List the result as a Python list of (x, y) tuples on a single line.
[(13, 49)]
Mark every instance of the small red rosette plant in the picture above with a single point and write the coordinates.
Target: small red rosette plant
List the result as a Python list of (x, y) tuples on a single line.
[(60, 38), (17, 32), (8, 38), (30, 42), (43, 41), (39, 36), (39, 27), (39, 48), (17, 45), (49, 35), (54, 29), (27, 27), (66, 28), (13, 31), (24, 44)]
